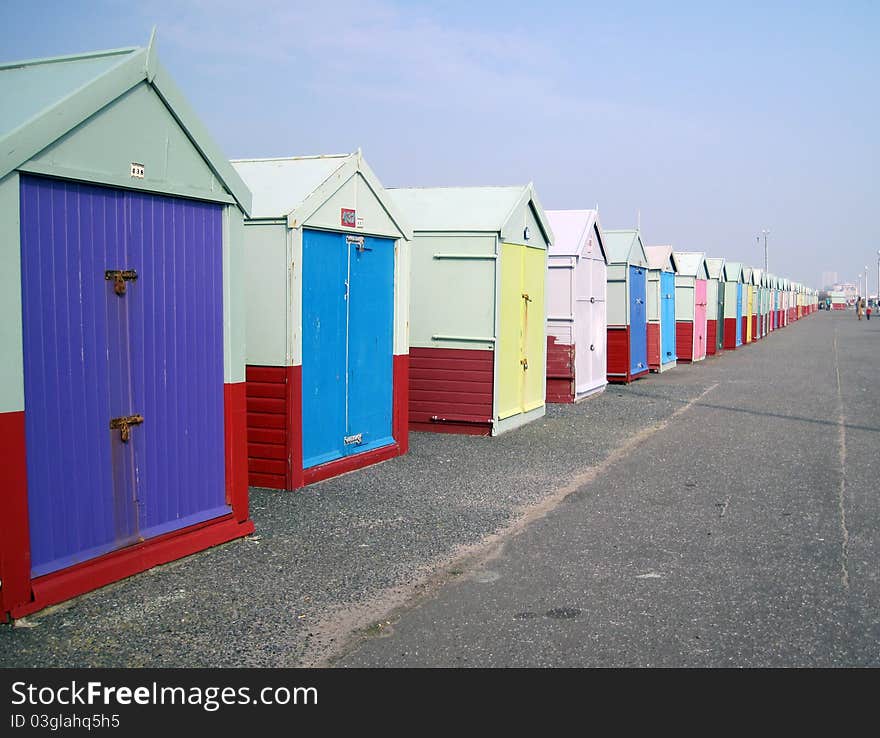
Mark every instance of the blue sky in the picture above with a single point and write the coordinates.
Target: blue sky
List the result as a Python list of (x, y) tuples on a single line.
[(712, 120)]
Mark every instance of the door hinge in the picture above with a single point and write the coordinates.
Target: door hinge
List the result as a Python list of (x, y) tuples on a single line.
[(120, 277), (123, 425)]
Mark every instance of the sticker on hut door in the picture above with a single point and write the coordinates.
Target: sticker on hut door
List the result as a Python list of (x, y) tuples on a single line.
[(348, 218)]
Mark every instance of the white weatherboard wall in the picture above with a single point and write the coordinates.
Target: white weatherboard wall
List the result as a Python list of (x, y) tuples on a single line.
[(618, 295), (11, 358), (266, 257), (712, 299), (457, 271)]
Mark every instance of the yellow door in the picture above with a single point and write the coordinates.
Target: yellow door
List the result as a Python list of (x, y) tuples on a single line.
[(510, 338), (534, 270), (521, 376)]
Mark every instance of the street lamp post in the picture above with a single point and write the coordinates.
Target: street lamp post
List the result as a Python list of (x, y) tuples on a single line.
[(878, 280), (766, 233)]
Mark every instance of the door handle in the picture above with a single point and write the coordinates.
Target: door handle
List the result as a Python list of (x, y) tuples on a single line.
[(525, 363), (525, 296), (123, 425)]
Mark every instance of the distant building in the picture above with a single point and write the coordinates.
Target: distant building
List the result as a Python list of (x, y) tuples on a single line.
[(846, 291), (829, 279)]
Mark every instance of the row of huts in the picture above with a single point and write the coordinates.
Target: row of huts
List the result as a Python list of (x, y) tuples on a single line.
[(176, 327)]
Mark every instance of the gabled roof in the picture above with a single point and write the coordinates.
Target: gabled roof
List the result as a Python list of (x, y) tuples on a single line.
[(660, 257), (733, 271), (747, 275), (477, 209), (43, 99), (571, 231), (715, 266), (691, 263), (295, 187), (625, 247), (757, 276)]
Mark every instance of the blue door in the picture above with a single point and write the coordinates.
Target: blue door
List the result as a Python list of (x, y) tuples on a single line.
[(348, 312), (97, 349), (638, 324), (667, 317), (739, 314)]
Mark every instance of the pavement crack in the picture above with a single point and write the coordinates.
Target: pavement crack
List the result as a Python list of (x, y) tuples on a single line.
[(841, 490)]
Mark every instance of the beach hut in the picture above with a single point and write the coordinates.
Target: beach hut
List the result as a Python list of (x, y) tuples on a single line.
[(627, 312), (661, 308), (691, 280), (733, 303), (326, 287), (771, 285), (758, 303), (715, 305), (748, 304), (122, 398), (783, 301), (576, 316), (478, 324)]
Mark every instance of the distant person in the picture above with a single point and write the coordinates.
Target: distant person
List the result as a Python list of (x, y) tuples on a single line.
[(868, 311), (859, 307)]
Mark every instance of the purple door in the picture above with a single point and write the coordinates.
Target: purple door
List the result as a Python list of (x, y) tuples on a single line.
[(98, 349)]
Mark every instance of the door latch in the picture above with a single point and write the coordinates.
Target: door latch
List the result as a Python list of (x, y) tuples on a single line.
[(525, 296), (123, 425), (525, 363), (120, 277)]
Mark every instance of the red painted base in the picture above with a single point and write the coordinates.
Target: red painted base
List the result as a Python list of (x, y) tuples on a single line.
[(560, 371), (60, 586), (349, 464), (15, 553), (654, 346), (274, 428), (684, 341), (618, 348), (755, 333), (730, 334), (711, 337), (451, 390)]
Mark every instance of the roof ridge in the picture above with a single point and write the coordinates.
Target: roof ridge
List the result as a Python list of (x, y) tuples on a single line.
[(463, 187), (294, 158), (69, 57)]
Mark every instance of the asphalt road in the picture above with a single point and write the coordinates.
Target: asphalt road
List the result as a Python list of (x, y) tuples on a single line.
[(691, 518), (742, 533)]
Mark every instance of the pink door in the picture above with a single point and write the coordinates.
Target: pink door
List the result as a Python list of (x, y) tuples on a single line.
[(700, 320)]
